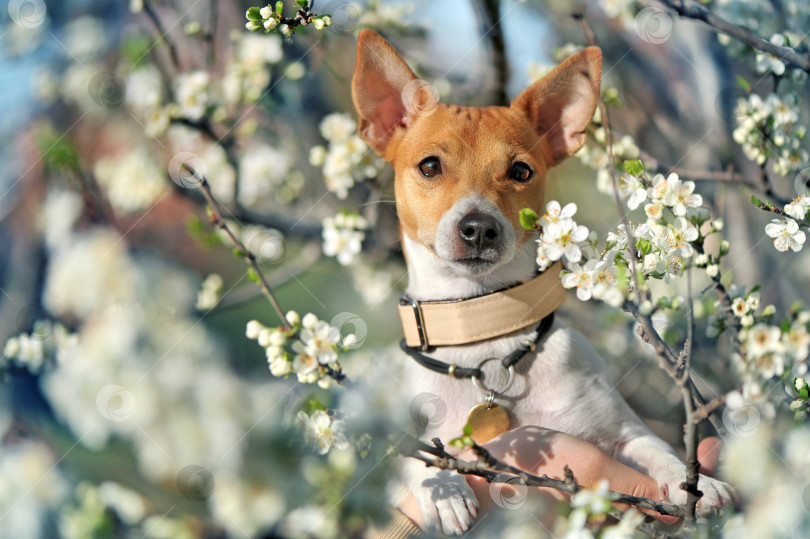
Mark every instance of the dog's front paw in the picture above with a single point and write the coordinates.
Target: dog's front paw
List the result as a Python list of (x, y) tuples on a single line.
[(716, 494), (447, 502)]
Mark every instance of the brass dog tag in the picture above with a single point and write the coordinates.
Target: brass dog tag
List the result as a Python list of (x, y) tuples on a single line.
[(487, 421)]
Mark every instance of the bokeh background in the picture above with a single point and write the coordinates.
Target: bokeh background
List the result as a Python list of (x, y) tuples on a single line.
[(135, 405)]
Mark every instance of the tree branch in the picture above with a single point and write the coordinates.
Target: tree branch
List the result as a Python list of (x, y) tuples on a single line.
[(693, 10), (164, 34), (495, 471), (491, 28), (250, 259)]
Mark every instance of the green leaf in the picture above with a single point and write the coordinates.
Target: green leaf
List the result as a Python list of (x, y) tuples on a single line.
[(645, 246), (253, 276), (744, 84), (314, 405), (785, 326), (457, 442), (237, 252), (528, 218), (279, 8), (302, 3), (804, 393), (254, 14), (634, 167), (468, 429), (757, 202)]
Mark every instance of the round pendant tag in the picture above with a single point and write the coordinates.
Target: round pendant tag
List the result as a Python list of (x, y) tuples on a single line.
[(487, 423)]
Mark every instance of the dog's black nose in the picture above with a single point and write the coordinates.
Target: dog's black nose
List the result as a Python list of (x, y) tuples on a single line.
[(479, 230)]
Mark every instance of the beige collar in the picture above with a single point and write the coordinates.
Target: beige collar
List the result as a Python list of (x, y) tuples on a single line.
[(463, 321)]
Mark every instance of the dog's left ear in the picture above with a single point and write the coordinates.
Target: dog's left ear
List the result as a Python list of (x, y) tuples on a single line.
[(560, 106)]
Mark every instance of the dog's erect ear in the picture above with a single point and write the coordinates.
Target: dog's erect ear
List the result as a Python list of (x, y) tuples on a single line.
[(386, 92), (561, 105)]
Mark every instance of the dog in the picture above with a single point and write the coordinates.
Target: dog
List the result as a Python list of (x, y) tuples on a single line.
[(462, 175)]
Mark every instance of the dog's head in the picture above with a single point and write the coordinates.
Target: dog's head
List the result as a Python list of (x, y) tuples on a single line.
[(464, 173)]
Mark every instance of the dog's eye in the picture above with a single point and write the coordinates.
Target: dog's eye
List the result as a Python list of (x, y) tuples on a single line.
[(430, 167), (521, 172)]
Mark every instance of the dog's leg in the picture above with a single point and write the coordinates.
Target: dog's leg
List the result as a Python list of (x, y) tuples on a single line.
[(654, 457), (447, 502)]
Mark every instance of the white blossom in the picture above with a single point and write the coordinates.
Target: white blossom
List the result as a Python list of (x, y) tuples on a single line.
[(798, 207), (321, 431), (786, 234), (768, 63), (191, 94), (343, 237), (133, 181)]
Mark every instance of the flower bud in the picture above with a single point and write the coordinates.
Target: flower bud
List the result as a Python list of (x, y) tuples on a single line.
[(253, 328), (309, 321), (292, 318)]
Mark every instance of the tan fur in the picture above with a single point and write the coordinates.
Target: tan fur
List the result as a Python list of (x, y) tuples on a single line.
[(477, 146)]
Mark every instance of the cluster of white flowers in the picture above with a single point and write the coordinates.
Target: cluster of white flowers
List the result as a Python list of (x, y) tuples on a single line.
[(270, 19), (27, 501), (343, 236), (132, 181), (769, 351), (801, 404), (247, 77), (322, 431), (262, 170), (48, 342), (145, 98), (563, 239), (309, 349), (209, 293), (346, 159), (674, 215), (768, 128), (596, 156)]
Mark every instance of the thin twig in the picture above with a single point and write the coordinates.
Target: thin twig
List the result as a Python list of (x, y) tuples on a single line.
[(668, 361), (694, 10), (250, 258), (164, 34), (693, 495), (702, 412)]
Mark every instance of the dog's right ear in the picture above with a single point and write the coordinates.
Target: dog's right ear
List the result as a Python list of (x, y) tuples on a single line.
[(383, 87)]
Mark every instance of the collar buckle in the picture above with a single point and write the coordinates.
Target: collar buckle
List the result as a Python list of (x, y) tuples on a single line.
[(406, 301)]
